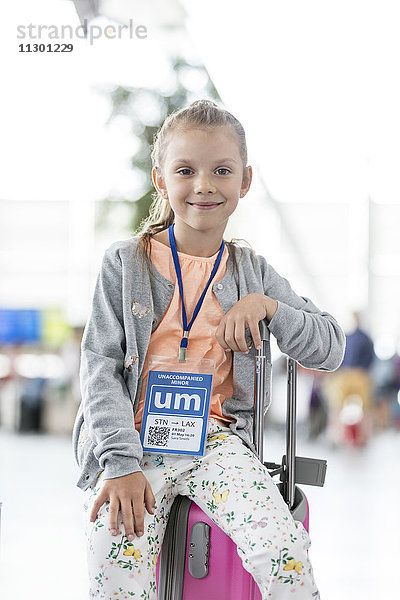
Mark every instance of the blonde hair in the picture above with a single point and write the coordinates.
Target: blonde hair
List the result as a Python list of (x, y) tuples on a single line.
[(200, 114)]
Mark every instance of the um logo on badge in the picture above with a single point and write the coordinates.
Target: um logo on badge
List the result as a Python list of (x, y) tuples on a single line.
[(189, 402), (159, 403)]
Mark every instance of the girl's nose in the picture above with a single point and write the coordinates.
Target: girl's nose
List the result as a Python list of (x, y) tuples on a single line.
[(204, 186)]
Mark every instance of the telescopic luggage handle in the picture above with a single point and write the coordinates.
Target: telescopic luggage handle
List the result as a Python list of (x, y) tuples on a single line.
[(294, 469), (289, 486), (262, 397)]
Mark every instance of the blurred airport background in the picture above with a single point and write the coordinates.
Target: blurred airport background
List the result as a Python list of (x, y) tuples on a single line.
[(315, 87)]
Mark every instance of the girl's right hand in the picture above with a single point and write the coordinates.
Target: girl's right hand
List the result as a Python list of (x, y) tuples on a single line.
[(125, 492)]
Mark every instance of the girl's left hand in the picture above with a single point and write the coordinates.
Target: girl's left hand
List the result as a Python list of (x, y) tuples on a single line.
[(247, 312)]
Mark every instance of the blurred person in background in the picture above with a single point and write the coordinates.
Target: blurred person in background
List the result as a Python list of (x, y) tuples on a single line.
[(359, 353), (386, 374), (396, 403), (318, 408), (351, 393)]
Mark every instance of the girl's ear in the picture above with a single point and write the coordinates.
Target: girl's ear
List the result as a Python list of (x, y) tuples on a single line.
[(158, 181), (246, 182)]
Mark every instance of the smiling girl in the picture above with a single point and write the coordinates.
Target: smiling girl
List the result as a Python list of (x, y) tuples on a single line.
[(141, 299)]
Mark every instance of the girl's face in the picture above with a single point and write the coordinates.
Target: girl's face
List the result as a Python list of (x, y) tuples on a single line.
[(203, 177)]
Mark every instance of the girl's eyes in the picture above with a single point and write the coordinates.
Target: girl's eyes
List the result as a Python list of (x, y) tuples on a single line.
[(181, 171)]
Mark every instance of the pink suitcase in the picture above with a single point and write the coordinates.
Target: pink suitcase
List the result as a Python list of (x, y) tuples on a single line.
[(198, 560)]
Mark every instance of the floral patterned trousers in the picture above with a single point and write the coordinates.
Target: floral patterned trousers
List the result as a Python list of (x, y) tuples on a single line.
[(230, 485)]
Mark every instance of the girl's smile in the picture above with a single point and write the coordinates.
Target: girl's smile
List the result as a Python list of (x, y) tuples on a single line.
[(205, 205)]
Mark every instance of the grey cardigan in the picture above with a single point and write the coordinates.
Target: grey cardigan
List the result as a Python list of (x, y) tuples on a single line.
[(128, 305)]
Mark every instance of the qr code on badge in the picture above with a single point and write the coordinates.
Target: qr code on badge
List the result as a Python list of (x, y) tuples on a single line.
[(158, 436)]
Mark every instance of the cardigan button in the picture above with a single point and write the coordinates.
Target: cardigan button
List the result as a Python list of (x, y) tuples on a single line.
[(219, 286), (170, 286)]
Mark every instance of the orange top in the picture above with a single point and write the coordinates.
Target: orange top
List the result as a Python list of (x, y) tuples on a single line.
[(166, 338)]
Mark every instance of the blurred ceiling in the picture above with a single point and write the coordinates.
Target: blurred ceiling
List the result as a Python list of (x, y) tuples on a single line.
[(160, 13)]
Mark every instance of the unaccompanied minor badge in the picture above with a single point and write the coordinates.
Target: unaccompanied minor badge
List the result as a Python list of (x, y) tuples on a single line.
[(176, 412)]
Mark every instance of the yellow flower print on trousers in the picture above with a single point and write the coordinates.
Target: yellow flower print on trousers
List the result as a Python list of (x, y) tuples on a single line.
[(130, 551), (218, 437), (221, 497), (292, 564)]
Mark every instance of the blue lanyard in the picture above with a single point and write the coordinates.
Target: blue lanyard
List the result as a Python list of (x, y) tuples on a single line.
[(186, 327)]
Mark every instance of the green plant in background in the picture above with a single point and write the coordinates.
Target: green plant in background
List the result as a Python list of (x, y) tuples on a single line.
[(146, 110)]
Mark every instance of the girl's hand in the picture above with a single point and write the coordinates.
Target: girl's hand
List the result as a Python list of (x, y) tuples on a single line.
[(247, 312), (125, 492)]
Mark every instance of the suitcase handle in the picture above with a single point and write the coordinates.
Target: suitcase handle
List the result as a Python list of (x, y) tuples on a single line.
[(289, 485), (310, 471), (262, 401), (262, 391)]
